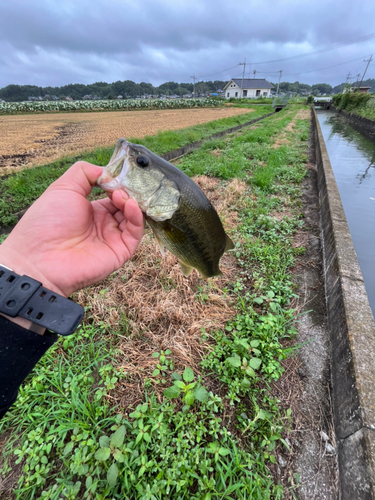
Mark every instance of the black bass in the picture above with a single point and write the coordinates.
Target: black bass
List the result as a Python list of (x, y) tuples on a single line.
[(179, 213)]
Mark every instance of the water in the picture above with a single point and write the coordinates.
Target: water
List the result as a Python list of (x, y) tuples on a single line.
[(353, 162)]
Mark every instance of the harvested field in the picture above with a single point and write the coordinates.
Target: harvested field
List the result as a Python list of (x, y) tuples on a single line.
[(36, 139)]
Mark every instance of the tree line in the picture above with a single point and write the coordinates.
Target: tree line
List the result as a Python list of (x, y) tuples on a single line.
[(127, 89), (130, 89)]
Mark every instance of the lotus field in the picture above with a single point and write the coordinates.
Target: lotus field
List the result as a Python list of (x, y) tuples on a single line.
[(53, 106)]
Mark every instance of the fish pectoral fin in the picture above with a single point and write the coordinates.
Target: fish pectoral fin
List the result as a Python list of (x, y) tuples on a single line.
[(185, 269), (161, 246), (229, 245)]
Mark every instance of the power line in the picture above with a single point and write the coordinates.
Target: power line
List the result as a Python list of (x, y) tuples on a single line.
[(218, 72), (319, 51), (327, 67)]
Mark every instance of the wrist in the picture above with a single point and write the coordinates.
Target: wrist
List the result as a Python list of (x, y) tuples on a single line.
[(22, 265), (26, 324)]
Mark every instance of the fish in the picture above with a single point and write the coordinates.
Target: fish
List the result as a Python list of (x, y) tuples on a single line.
[(180, 215)]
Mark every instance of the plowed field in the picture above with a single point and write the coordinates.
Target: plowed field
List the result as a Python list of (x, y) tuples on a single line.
[(36, 139)]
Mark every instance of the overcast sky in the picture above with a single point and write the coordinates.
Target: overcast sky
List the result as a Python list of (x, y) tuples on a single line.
[(50, 42)]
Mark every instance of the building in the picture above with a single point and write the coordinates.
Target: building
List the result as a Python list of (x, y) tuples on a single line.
[(248, 87)]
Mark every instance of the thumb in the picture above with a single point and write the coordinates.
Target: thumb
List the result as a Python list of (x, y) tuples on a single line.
[(80, 177)]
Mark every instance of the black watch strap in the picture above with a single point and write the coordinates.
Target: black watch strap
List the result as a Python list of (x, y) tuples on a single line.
[(25, 297)]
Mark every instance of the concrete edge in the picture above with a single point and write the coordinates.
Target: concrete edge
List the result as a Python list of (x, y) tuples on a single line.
[(352, 337), (363, 125)]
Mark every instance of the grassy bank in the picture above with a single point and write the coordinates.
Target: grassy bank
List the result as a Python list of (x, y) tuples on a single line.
[(18, 191), (357, 103), (173, 398)]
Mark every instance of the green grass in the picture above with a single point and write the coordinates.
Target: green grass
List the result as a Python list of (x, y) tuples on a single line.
[(72, 444), (357, 103), (20, 190)]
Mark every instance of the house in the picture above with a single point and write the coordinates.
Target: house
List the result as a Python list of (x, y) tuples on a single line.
[(248, 87)]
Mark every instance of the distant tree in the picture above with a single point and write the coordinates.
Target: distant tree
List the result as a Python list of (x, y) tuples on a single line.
[(322, 88)]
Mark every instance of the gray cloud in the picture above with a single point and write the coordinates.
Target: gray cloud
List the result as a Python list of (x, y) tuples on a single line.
[(55, 43)]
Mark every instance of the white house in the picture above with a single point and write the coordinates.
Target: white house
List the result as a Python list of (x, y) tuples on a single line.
[(248, 87)]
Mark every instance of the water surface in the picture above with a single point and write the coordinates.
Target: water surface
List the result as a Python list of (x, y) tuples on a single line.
[(353, 162)]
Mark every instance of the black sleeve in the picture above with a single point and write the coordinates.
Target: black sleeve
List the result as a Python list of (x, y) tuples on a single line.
[(20, 350)]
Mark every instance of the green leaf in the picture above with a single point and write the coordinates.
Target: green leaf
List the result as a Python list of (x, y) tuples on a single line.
[(258, 300), (236, 362), (224, 452), (102, 454), (112, 475), (172, 392), (254, 343), (118, 456), (155, 354), (118, 437), (88, 482), (179, 384), (176, 376), (255, 363), (188, 374), (104, 442), (141, 471), (44, 460), (167, 352), (264, 415), (189, 398), (156, 372), (201, 394), (68, 448), (250, 371), (245, 384)]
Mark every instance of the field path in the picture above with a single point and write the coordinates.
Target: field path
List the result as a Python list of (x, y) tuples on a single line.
[(41, 138)]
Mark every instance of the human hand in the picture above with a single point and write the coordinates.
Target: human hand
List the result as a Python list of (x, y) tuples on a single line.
[(67, 242)]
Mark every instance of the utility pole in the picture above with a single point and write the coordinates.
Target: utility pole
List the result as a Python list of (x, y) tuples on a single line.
[(278, 84), (347, 77), (368, 63), (254, 73), (243, 74), (194, 78)]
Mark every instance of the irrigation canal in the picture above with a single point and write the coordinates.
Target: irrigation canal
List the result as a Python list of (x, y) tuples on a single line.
[(352, 158)]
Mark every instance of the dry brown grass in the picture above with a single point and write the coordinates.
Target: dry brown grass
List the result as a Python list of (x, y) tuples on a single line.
[(302, 114), (156, 308), (28, 140)]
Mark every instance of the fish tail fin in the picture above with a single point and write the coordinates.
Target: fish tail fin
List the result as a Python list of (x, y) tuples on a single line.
[(229, 245)]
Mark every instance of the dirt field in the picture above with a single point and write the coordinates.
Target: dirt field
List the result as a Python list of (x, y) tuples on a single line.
[(36, 139)]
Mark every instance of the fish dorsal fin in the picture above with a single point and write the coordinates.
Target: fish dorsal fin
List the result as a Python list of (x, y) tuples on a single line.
[(229, 245)]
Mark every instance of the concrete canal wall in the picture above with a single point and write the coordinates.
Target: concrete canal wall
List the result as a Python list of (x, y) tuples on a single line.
[(352, 337), (363, 125)]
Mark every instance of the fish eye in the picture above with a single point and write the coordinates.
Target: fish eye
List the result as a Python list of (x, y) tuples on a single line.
[(142, 161)]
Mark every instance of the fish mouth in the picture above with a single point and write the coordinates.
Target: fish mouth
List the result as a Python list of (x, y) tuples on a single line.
[(117, 168)]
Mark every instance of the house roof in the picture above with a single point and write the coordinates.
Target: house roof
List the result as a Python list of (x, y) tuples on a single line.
[(251, 83)]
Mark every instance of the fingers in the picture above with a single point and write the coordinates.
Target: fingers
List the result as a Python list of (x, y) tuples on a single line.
[(80, 177)]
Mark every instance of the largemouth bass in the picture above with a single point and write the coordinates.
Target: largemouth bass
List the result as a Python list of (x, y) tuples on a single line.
[(179, 213)]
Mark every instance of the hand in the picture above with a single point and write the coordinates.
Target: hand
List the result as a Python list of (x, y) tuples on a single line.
[(67, 242)]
